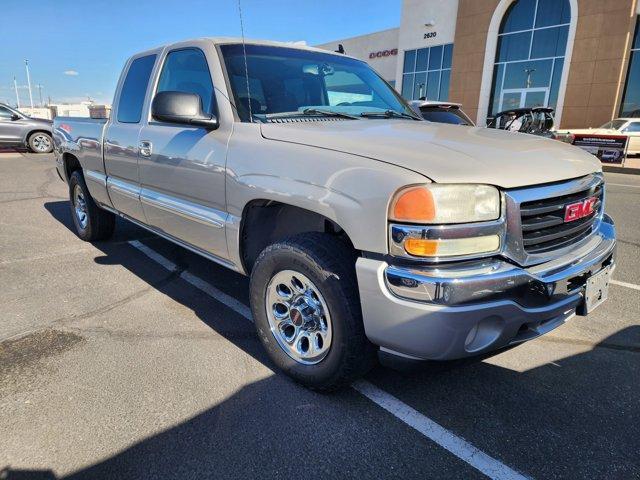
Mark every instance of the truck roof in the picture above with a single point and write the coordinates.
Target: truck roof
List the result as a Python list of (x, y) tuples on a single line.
[(247, 41)]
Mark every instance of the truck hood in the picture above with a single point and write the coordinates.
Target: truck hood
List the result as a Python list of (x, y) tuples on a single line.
[(445, 153)]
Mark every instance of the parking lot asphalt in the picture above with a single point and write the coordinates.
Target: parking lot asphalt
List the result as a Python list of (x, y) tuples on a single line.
[(133, 358)]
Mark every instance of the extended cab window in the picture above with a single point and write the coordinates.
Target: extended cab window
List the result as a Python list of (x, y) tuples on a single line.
[(633, 127), (134, 88), (187, 71)]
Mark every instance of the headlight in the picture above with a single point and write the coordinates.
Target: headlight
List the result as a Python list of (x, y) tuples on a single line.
[(444, 204)]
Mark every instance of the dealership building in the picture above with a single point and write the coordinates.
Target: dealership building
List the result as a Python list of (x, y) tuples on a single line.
[(580, 57)]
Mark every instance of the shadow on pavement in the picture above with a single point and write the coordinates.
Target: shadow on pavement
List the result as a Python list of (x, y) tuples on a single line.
[(576, 417)]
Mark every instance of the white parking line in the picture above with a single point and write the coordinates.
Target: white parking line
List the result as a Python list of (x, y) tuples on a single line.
[(197, 282), (625, 284), (462, 449)]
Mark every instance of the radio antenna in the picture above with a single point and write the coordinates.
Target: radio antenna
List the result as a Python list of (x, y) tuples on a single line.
[(246, 67)]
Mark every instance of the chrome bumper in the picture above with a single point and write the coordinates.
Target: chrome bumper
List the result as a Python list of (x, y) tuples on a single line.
[(466, 308)]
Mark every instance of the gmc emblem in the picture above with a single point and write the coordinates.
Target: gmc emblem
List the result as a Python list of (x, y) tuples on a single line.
[(578, 210)]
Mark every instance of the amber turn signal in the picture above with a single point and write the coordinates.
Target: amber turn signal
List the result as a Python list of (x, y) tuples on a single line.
[(414, 205), (422, 247)]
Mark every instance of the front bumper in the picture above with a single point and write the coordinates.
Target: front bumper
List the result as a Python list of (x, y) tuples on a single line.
[(467, 308)]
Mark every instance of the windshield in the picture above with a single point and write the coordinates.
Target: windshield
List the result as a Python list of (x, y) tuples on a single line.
[(614, 124), (288, 80)]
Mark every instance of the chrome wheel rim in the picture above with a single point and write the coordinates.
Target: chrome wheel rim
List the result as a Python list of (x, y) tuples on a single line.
[(41, 143), (298, 317), (80, 207)]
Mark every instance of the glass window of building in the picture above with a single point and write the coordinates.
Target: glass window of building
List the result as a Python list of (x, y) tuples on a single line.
[(530, 56), (427, 72), (631, 100)]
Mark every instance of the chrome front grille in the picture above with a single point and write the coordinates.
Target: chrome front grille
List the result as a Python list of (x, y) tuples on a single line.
[(543, 225), (536, 227)]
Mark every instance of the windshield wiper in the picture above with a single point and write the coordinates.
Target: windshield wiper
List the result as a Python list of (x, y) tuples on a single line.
[(389, 114), (328, 113), (310, 111)]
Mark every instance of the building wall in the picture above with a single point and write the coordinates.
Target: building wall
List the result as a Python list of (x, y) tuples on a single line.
[(592, 96), (37, 112), (379, 49), (596, 60), (599, 63), (416, 14), (472, 26)]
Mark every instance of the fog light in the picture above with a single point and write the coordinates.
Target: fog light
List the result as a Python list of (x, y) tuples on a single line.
[(453, 247)]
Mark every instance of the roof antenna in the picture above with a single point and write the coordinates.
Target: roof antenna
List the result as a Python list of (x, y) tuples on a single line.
[(246, 68)]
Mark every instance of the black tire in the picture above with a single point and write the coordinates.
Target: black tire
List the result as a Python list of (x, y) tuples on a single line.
[(40, 142), (330, 265), (97, 224)]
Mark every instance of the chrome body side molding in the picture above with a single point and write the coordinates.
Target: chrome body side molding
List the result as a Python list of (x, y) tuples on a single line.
[(190, 211), (123, 188), (97, 177)]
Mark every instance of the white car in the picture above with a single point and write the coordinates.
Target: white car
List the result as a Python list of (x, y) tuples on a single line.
[(619, 126), (441, 112)]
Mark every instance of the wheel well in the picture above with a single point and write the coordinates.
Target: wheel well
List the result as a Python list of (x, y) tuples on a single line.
[(265, 222), (33, 132), (71, 164)]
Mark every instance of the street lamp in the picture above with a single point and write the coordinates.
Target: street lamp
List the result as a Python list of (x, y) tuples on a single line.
[(529, 71)]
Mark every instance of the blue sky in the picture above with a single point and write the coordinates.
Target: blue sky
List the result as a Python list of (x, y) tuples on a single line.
[(77, 48)]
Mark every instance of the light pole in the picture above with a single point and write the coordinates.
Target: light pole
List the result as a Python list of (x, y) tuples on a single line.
[(529, 71), (15, 86), (26, 64)]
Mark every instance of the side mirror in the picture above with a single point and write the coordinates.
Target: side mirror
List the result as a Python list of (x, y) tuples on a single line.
[(183, 108), (15, 117)]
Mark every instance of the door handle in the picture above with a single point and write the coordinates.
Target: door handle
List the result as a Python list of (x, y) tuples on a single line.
[(145, 148)]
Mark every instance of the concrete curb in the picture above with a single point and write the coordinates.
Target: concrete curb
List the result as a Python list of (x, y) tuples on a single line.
[(611, 169)]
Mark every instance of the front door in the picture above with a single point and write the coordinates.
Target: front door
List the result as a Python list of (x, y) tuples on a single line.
[(182, 170), (523, 98)]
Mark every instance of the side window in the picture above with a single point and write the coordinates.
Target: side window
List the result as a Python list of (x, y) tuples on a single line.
[(5, 113), (633, 127), (187, 71), (134, 89)]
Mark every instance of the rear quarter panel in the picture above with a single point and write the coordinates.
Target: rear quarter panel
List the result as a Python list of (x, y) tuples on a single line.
[(82, 139)]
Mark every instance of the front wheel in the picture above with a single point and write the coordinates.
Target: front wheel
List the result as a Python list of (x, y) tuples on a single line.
[(40, 142), (304, 299)]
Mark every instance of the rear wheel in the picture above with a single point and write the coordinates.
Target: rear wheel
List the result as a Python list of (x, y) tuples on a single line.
[(305, 303), (40, 142), (92, 223)]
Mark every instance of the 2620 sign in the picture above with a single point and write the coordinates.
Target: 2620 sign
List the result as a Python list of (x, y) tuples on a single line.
[(430, 35)]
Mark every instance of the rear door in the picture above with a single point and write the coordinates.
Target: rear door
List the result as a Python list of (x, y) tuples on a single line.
[(122, 134), (183, 173)]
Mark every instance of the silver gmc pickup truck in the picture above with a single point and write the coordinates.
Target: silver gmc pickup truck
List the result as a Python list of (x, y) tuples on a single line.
[(364, 228)]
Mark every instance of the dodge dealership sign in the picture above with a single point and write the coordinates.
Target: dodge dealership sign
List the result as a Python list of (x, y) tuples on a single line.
[(383, 53)]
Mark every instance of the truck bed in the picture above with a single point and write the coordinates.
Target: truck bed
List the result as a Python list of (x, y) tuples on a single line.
[(82, 138)]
